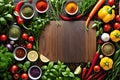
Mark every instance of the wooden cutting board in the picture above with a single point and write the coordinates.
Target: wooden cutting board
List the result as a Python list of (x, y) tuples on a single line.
[(69, 42)]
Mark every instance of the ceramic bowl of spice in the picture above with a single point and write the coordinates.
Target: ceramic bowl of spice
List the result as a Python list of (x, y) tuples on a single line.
[(108, 49), (71, 8), (20, 53), (41, 6), (27, 11), (34, 72)]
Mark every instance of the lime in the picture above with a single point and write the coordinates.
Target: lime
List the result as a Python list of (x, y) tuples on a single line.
[(44, 59), (78, 70)]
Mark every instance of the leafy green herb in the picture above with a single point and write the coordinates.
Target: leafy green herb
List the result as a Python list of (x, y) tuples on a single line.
[(6, 60), (37, 26), (57, 71), (86, 6), (6, 11), (24, 66)]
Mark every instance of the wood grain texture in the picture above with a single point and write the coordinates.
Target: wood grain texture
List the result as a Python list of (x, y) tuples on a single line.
[(69, 42)]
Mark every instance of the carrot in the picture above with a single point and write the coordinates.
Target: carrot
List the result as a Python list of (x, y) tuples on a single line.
[(93, 11), (102, 76), (94, 61)]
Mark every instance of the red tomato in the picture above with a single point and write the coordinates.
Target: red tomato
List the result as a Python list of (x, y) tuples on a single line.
[(116, 25), (107, 27), (31, 39), (25, 36), (96, 68), (29, 46), (14, 69), (3, 37), (111, 2), (24, 76), (117, 18), (16, 76)]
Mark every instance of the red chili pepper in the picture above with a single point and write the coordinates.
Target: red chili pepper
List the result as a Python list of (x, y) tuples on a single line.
[(102, 76), (95, 58), (98, 74), (17, 10), (84, 70), (90, 77), (65, 18), (20, 21), (77, 17)]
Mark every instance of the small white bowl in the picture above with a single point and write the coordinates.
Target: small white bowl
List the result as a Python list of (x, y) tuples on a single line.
[(45, 9), (20, 58), (36, 76), (27, 5), (73, 12)]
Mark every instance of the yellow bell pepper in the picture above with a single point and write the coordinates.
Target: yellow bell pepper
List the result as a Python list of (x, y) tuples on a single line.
[(106, 13), (106, 63), (115, 35)]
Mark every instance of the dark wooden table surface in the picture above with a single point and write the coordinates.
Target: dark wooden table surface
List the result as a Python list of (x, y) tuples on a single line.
[(69, 42)]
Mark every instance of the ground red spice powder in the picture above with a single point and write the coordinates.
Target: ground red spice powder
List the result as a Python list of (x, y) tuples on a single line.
[(20, 53), (41, 5)]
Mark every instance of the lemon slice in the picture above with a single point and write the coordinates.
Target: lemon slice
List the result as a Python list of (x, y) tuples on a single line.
[(44, 59), (32, 56), (78, 70)]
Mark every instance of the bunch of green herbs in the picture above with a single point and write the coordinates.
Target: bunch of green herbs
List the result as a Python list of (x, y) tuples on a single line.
[(6, 60), (58, 71), (85, 6), (56, 7), (36, 26), (6, 11)]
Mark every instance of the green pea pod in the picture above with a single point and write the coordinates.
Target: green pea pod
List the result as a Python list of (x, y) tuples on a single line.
[(116, 55)]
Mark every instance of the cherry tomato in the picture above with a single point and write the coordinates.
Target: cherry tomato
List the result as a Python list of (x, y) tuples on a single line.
[(14, 69), (3, 37), (29, 46), (16, 76), (107, 27), (96, 68), (116, 25), (24, 76), (31, 39), (117, 18), (111, 2), (25, 36)]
